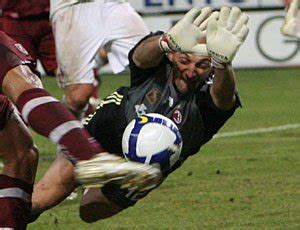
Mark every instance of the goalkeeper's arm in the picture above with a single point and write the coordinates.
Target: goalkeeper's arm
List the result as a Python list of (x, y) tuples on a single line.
[(230, 28), (183, 37), (148, 53), (223, 88)]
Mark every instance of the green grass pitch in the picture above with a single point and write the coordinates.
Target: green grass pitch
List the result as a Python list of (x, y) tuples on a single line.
[(249, 181)]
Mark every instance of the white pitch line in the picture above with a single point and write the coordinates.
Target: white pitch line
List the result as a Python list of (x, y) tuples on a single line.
[(259, 130)]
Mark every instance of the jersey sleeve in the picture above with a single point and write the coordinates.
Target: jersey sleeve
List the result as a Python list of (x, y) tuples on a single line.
[(213, 117), (138, 75)]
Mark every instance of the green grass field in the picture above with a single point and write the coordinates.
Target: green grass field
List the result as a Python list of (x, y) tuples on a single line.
[(242, 182)]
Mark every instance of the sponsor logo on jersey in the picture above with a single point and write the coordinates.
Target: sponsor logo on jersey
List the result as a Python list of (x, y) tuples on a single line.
[(177, 116), (153, 96), (21, 49)]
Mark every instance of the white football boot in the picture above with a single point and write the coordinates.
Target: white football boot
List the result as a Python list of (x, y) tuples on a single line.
[(108, 168)]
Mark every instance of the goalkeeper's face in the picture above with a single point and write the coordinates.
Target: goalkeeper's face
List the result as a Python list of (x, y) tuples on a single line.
[(189, 70)]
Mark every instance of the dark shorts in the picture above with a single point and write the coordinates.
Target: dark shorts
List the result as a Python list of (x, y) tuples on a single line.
[(36, 37), (6, 110), (12, 54)]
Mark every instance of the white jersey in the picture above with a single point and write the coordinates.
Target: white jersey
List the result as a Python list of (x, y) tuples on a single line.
[(56, 5)]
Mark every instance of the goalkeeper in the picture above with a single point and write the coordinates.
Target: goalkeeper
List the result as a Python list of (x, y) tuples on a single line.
[(184, 74)]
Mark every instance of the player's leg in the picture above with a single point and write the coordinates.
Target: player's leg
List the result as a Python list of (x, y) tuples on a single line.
[(46, 115), (76, 48), (76, 97), (20, 159), (54, 187)]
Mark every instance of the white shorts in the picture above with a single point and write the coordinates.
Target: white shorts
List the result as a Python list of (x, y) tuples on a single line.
[(81, 29)]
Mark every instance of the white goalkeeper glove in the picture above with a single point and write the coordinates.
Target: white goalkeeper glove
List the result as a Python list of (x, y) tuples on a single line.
[(185, 35), (291, 26), (226, 31)]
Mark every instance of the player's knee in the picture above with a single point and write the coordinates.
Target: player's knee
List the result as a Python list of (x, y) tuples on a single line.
[(18, 80), (76, 101), (77, 95)]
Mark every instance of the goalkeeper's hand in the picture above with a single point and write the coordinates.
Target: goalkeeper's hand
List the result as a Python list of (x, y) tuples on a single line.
[(226, 31), (185, 35), (291, 25)]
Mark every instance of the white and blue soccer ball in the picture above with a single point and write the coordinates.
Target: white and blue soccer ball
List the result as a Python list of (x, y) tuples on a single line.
[(152, 139)]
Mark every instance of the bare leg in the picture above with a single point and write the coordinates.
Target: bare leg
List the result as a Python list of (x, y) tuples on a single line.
[(20, 159), (20, 156), (54, 187), (46, 115), (76, 98)]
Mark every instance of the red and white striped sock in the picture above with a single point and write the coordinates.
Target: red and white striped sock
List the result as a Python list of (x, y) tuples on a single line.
[(15, 202), (50, 118)]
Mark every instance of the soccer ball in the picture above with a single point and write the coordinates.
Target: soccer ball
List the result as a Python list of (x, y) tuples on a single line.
[(152, 139)]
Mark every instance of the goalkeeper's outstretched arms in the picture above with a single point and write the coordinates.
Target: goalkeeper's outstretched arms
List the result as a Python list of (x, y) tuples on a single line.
[(226, 32), (183, 37), (291, 25)]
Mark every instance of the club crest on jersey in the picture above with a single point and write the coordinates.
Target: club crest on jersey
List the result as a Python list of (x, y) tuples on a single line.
[(153, 96), (177, 116), (21, 49)]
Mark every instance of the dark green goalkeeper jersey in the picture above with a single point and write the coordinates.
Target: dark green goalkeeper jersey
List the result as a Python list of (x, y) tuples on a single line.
[(153, 91)]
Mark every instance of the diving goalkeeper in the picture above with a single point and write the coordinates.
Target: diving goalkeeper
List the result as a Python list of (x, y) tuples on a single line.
[(184, 74)]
